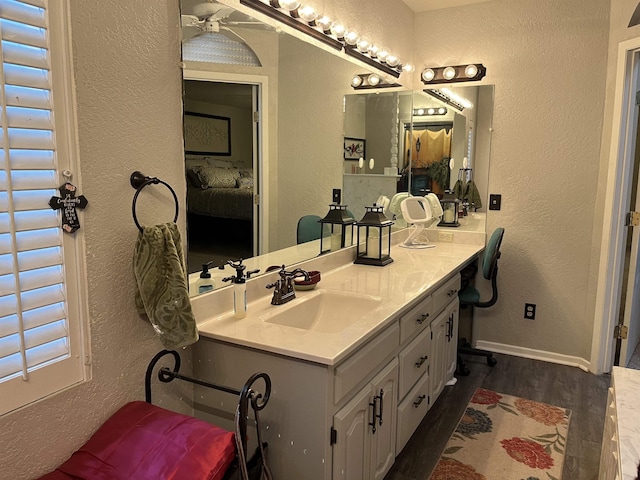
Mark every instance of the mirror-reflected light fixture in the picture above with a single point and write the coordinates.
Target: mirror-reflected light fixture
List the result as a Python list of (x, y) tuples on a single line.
[(453, 74), (365, 81), (332, 33), (443, 97), (340, 229), (374, 238), (429, 111)]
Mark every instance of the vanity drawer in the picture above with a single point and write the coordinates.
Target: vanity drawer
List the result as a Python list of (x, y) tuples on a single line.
[(411, 411), (446, 293), (361, 364), (414, 361), (416, 319)]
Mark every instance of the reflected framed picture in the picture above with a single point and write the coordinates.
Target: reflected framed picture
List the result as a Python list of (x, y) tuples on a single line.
[(206, 134), (354, 148)]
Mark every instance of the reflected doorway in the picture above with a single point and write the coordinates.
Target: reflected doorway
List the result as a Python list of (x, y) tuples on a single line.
[(222, 167)]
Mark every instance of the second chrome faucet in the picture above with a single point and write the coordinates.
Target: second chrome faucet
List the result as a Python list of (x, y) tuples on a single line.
[(283, 287)]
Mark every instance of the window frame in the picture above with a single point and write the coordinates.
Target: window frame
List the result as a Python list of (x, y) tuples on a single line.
[(58, 376)]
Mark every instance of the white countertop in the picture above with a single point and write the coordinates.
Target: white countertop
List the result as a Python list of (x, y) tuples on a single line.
[(399, 284), (626, 384)]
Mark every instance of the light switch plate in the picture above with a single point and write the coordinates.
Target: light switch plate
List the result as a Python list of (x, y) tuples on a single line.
[(494, 201), (336, 196)]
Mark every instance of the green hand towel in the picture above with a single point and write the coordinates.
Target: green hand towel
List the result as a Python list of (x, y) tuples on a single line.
[(162, 292), (472, 194), (458, 189)]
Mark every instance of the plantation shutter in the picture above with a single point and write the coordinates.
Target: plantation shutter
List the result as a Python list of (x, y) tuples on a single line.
[(38, 355)]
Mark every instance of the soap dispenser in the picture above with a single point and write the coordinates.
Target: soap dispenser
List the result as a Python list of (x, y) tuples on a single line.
[(239, 287), (205, 283)]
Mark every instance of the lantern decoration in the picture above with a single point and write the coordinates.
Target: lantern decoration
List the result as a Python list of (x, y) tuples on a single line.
[(449, 210), (339, 233), (374, 238)]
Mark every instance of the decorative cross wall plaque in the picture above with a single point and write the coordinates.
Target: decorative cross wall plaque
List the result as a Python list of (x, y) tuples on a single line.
[(68, 203)]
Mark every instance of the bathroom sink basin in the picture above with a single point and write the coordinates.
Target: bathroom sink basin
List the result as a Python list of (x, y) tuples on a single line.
[(323, 311)]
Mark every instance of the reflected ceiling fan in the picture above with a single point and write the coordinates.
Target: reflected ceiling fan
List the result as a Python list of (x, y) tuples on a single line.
[(209, 17)]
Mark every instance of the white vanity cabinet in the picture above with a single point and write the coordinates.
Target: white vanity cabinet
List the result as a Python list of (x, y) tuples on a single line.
[(365, 429), (350, 419)]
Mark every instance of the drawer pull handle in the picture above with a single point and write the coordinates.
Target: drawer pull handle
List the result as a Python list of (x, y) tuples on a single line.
[(417, 403), (421, 361), (452, 293), (381, 397), (373, 416), (422, 318)]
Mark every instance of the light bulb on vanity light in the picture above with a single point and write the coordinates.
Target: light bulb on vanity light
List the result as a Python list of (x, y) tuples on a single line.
[(392, 60), (356, 81), (449, 73), (428, 75), (420, 111), (363, 45), (307, 13), (407, 67), (338, 30), (431, 111), (471, 71), (351, 38), (373, 51), (382, 55), (324, 23), (373, 79), (442, 110), (289, 4)]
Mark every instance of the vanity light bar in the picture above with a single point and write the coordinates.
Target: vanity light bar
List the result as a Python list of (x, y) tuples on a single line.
[(444, 98), (365, 81), (453, 74), (429, 111), (291, 21), (295, 15)]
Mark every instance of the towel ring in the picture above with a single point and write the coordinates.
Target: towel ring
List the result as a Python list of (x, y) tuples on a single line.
[(139, 181)]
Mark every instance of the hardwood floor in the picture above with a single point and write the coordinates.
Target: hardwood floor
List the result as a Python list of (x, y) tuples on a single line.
[(568, 387)]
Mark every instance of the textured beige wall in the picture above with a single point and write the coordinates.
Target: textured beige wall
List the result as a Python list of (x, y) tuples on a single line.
[(126, 54), (548, 62)]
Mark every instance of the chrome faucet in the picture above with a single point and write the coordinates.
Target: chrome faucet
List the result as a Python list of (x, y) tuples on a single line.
[(283, 287)]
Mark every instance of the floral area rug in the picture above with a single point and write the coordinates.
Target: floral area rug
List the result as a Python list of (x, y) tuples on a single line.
[(501, 437)]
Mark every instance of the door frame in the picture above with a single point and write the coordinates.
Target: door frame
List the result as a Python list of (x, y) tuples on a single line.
[(617, 197), (262, 160)]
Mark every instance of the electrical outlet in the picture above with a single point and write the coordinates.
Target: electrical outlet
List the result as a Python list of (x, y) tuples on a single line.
[(495, 201), (445, 236), (530, 311)]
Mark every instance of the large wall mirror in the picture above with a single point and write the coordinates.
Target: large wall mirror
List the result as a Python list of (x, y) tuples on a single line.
[(265, 131), (447, 146)]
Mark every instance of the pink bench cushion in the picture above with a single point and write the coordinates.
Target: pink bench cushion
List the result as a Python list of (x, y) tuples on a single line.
[(141, 441)]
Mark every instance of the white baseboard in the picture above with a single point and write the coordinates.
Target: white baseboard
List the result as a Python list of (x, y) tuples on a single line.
[(524, 352)]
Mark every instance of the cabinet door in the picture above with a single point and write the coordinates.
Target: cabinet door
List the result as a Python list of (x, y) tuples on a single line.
[(383, 442), (437, 365), (351, 452), (451, 336)]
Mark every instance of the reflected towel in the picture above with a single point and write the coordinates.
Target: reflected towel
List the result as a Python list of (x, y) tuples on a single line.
[(472, 194), (162, 292), (458, 190)]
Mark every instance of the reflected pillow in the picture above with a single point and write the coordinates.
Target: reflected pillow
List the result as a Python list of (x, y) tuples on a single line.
[(244, 182), (193, 178), (215, 177)]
